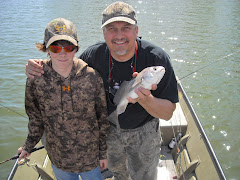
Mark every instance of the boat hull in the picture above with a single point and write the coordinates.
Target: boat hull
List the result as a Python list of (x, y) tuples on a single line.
[(191, 158)]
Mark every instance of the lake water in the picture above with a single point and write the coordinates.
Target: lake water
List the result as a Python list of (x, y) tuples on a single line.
[(195, 33)]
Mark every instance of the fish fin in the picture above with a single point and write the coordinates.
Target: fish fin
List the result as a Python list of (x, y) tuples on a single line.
[(122, 90), (113, 117), (139, 78), (121, 109), (136, 84), (125, 88)]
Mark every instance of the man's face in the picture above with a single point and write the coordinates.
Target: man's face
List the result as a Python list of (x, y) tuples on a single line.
[(120, 37)]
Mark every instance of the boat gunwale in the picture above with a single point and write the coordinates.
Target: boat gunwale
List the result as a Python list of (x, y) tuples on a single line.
[(203, 133)]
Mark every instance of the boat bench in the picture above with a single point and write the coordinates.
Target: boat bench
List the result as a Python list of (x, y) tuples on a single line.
[(170, 129), (177, 124)]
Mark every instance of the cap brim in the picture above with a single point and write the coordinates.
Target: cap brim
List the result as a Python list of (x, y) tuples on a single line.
[(125, 19), (61, 37)]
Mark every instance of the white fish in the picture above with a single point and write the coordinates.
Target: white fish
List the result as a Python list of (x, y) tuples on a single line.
[(146, 78)]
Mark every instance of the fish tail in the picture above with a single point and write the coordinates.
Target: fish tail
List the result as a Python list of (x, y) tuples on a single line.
[(113, 117)]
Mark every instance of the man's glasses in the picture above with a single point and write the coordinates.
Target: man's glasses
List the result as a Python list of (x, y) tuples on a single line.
[(58, 49)]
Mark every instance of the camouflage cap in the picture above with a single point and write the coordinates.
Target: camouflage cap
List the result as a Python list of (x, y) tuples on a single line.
[(60, 29), (119, 11)]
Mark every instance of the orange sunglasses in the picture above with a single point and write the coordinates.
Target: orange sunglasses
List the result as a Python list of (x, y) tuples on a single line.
[(58, 49)]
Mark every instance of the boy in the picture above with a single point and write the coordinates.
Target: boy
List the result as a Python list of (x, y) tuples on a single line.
[(68, 104)]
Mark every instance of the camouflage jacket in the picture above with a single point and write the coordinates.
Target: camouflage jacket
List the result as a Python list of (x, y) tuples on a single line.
[(72, 113)]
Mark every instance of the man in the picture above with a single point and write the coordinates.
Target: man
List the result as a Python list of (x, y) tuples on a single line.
[(134, 150)]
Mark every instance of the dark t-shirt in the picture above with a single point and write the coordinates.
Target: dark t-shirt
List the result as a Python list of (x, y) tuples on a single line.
[(97, 56)]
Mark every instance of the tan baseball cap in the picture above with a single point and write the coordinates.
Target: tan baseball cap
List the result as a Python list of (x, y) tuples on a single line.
[(119, 11), (60, 29)]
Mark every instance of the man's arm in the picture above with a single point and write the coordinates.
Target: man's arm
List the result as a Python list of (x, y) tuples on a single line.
[(34, 68)]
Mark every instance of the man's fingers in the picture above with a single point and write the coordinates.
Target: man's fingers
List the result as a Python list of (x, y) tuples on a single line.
[(32, 73), (37, 63), (154, 86), (33, 70), (142, 93), (34, 67), (40, 63), (133, 101), (134, 74), (28, 75)]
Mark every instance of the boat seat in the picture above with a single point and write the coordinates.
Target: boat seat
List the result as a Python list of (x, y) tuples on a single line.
[(192, 177), (186, 167), (177, 124), (44, 175)]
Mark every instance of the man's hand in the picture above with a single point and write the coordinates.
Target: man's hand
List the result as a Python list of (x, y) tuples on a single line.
[(34, 68), (103, 164), (142, 93)]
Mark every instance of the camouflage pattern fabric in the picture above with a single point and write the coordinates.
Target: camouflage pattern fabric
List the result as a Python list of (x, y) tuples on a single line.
[(72, 112), (119, 11), (60, 29), (134, 154)]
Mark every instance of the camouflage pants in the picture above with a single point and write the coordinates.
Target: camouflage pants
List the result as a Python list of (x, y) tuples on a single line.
[(134, 154)]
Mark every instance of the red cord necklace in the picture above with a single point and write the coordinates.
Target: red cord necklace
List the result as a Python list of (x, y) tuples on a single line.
[(110, 58)]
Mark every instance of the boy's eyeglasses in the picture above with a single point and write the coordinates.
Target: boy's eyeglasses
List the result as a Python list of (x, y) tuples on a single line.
[(58, 49)]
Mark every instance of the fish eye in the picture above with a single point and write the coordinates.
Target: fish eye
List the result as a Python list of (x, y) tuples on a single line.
[(154, 68)]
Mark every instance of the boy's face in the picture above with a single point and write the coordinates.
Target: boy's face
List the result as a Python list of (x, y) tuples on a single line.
[(62, 60)]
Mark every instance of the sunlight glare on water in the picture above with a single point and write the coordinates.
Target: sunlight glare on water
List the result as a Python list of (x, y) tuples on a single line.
[(194, 34)]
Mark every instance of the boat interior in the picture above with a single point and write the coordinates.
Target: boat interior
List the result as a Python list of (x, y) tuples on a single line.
[(186, 152)]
